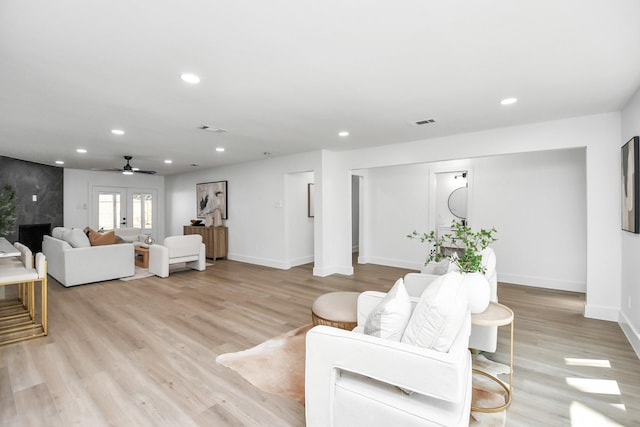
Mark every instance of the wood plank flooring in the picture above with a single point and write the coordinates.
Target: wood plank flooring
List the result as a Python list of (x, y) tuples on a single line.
[(142, 353)]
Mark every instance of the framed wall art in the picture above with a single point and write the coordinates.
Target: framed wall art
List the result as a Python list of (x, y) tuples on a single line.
[(630, 186), (211, 196), (310, 204)]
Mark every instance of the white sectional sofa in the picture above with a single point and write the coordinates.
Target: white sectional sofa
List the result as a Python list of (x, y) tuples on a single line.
[(73, 261)]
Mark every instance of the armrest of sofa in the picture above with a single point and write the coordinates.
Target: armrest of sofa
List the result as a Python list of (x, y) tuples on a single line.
[(159, 260), (330, 351)]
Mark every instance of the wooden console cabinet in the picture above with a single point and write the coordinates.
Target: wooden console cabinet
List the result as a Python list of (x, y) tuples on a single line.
[(214, 238)]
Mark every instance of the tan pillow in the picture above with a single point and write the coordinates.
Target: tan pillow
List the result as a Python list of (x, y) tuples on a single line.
[(99, 239)]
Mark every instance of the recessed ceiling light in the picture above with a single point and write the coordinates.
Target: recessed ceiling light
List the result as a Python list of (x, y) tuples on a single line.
[(343, 133), (509, 101), (117, 132), (168, 161), (59, 162), (81, 150), (220, 149), (190, 78)]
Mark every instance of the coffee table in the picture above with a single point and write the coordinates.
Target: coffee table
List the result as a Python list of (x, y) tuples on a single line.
[(141, 256)]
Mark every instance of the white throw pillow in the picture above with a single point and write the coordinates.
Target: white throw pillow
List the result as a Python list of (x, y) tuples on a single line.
[(76, 238), (439, 314), (391, 315)]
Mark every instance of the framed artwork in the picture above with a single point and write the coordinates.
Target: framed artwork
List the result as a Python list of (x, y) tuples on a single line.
[(630, 186), (310, 208), (211, 196)]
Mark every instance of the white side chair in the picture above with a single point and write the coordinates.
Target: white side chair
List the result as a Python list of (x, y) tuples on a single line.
[(483, 338), (353, 379), (187, 249)]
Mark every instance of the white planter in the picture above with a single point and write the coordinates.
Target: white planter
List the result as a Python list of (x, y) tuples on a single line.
[(479, 292)]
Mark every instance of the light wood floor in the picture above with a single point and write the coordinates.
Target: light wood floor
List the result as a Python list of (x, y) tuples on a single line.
[(142, 353)]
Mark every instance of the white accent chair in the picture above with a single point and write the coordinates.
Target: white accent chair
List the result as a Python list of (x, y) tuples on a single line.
[(187, 249), (353, 379), (483, 338)]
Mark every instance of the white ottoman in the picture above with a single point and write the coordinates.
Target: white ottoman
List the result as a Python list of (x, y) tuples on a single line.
[(337, 309)]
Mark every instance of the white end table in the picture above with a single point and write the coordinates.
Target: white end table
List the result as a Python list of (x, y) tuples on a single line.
[(496, 315)]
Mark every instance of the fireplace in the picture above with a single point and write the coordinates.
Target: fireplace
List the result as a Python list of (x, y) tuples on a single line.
[(31, 235)]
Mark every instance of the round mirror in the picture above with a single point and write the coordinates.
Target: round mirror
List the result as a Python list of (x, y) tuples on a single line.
[(458, 202)]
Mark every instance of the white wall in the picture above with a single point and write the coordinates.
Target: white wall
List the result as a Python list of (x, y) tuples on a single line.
[(630, 289), (600, 134), (299, 225), (77, 194), (257, 224), (536, 201), (258, 209)]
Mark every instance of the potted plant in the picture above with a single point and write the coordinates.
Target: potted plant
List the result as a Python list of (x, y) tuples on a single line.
[(463, 248)]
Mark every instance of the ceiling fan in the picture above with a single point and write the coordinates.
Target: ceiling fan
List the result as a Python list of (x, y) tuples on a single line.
[(128, 169)]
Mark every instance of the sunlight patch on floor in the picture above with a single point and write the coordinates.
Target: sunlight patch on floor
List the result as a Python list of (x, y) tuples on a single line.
[(589, 385), (582, 415), (596, 363)]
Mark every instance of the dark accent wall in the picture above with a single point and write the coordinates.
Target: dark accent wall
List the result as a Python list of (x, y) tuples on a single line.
[(29, 178)]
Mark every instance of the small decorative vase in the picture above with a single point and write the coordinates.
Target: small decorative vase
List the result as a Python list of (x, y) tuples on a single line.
[(208, 220), (148, 240), (478, 290), (217, 217)]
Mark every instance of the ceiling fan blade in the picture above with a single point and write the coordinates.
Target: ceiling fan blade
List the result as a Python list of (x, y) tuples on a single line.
[(147, 172)]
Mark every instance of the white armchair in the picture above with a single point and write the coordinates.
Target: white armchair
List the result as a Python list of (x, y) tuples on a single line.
[(484, 338), (354, 379), (187, 249)]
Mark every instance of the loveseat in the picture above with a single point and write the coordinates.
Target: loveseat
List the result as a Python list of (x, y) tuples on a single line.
[(73, 261)]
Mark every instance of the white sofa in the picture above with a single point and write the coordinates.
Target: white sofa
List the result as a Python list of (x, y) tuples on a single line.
[(353, 379), (72, 261), (187, 249)]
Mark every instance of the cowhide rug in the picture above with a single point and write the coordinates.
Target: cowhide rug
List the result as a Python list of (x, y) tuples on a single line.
[(277, 366)]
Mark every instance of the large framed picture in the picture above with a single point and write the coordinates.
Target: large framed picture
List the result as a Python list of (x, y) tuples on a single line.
[(211, 196), (630, 186)]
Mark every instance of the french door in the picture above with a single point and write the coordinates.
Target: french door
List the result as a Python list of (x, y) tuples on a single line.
[(121, 207)]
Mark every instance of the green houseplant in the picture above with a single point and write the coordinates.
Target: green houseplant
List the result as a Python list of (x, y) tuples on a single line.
[(469, 245), (463, 247), (7, 210)]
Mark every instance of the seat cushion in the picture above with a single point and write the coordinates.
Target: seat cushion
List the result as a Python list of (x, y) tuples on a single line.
[(337, 306)]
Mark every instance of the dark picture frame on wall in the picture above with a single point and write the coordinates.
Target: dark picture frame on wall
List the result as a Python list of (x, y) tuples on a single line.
[(310, 202), (631, 185), (211, 196)]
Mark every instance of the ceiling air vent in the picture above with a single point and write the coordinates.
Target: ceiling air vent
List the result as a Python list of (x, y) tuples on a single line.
[(212, 129), (425, 122)]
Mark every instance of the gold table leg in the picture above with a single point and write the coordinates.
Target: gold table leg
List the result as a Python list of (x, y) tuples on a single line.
[(508, 390)]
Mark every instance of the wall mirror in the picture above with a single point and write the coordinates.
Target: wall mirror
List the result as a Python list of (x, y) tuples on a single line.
[(458, 202)]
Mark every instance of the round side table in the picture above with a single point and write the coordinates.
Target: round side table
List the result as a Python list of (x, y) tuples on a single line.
[(496, 315)]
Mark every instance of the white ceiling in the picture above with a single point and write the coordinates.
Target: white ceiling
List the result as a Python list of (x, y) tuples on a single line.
[(286, 76)]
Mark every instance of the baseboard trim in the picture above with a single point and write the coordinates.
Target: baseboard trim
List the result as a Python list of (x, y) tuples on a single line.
[(601, 312), (391, 263), (543, 282), (328, 271), (301, 261), (630, 332), (259, 261)]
